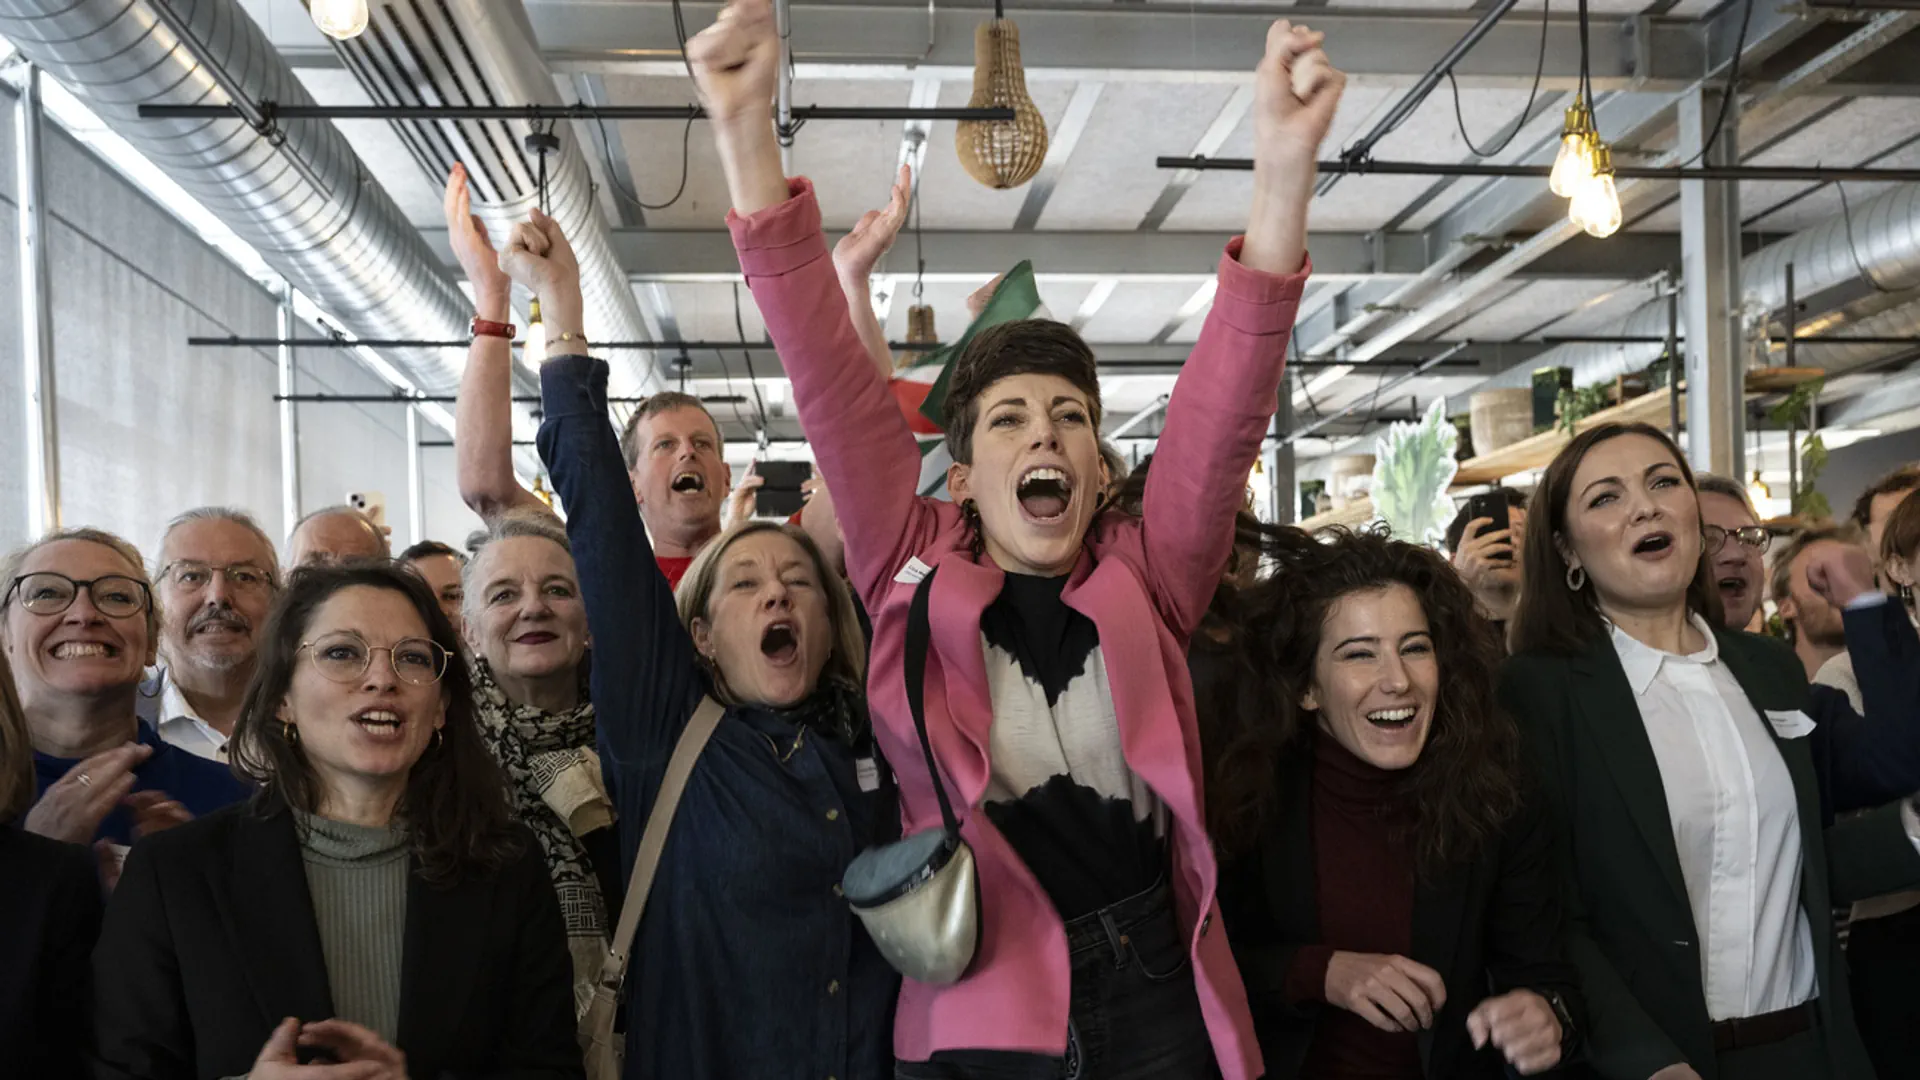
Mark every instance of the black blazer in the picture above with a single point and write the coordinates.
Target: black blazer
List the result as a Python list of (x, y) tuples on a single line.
[(1488, 927), (210, 941), (1631, 925), (1868, 761), (49, 917)]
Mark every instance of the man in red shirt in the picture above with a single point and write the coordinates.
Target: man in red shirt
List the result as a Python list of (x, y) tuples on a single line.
[(674, 457)]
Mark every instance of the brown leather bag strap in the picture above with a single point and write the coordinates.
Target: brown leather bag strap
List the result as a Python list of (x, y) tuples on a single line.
[(613, 970)]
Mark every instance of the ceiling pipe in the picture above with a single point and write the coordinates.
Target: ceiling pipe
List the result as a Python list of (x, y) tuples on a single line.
[(483, 53), (342, 242)]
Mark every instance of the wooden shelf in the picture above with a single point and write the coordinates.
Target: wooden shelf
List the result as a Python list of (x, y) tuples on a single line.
[(1353, 515), (1649, 408), (1539, 450)]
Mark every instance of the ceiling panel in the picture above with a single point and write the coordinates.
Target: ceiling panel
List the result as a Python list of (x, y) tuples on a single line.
[(1138, 310), (1111, 182), (1604, 315), (654, 157), (1537, 303)]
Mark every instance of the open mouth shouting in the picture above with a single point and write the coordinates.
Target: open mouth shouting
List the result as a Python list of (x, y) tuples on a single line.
[(1654, 546), (689, 482), (1045, 492), (780, 644), (1732, 588)]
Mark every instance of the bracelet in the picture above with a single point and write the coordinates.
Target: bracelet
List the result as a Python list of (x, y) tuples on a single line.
[(571, 336), (480, 327)]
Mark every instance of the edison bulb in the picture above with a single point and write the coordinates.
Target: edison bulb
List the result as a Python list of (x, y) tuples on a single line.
[(339, 19), (533, 351), (1574, 167), (1596, 206)]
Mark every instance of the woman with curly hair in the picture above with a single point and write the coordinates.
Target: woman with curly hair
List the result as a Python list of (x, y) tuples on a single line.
[(1391, 892)]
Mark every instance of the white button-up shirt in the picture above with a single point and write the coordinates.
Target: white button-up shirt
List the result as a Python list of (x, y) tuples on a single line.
[(182, 727), (1736, 826)]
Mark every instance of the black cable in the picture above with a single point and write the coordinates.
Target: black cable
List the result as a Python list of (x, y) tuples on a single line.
[(1526, 113), (606, 154), (1732, 89), (1846, 217), (753, 380)]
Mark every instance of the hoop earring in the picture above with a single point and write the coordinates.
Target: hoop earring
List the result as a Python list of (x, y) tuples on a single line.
[(439, 738), (290, 733), (1576, 578)]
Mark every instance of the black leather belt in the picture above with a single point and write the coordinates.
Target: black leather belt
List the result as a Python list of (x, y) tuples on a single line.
[(1763, 1029)]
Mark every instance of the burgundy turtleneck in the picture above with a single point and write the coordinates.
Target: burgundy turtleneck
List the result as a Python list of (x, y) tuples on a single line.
[(1363, 883)]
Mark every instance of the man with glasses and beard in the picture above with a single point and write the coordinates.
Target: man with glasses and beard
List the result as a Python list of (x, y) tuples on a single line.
[(216, 581)]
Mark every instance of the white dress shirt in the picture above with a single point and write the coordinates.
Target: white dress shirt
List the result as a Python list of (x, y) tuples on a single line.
[(182, 727), (1736, 826)]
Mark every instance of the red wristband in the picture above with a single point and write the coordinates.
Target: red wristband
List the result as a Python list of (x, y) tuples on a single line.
[(488, 328)]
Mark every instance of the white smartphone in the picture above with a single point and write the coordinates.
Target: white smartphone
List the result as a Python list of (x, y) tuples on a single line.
[(371, 503)]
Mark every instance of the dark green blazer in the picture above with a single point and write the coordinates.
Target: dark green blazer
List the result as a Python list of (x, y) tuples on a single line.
[(1631, 926)]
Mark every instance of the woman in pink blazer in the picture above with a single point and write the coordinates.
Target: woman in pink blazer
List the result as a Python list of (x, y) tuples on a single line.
[(1057, 696)]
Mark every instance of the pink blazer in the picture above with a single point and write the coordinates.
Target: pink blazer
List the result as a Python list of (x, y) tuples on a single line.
[(1144, 583)]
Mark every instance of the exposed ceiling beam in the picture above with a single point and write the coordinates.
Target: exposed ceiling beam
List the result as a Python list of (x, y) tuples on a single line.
[(1076, 41), (708, 254)]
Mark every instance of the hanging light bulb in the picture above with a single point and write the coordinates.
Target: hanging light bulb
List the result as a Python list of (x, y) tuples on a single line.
[(1001, 153), (533, 351), (1758, 491), (541, 491), (1596, 204), (1575, 163), (339, 19)]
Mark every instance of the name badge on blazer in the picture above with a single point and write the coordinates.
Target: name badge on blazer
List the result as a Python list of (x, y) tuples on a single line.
[(1790, 723), (911, 573)]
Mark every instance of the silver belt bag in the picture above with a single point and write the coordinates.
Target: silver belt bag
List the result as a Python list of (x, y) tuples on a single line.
[(920, 897)]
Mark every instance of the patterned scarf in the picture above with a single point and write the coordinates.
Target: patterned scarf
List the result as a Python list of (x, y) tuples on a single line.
[(554, 774)]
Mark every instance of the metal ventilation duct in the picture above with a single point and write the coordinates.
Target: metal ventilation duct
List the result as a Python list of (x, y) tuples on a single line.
[(348, 246), (483, 52), (1884, 248)]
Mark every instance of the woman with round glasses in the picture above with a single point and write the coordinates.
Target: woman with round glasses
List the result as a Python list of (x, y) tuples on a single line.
[(374, 905), (79, 626)]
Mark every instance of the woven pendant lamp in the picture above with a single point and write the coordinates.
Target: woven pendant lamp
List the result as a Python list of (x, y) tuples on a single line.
[(1001, 153), (919, 332)]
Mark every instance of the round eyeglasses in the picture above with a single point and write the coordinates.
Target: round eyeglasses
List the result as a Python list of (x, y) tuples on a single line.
[(344, 657), (46, 593), (1754, 538)]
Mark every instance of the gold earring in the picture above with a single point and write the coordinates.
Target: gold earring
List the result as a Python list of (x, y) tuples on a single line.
[(290, 733)]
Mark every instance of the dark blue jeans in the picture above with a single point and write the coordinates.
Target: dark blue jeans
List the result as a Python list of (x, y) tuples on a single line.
[(1135, 1014)]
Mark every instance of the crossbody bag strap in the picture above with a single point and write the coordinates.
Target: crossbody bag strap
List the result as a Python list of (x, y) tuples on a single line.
[(919, 638), (693, 739)]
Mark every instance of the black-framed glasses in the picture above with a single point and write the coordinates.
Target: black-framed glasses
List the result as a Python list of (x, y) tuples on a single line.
[(47, 593), (1755, 538), (191, 576), (345, 656)]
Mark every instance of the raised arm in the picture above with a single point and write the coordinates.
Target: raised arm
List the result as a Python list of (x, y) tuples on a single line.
[(854, 258), (861, 440), (644, 680), (483, 413), (1229, 388)]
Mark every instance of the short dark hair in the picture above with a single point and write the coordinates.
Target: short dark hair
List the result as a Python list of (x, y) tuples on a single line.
[(662, 402), (1021, 347), (1466, 783), (1457, 528), (1904, 478), (1553, 618), (427, 549), (455, 805)]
